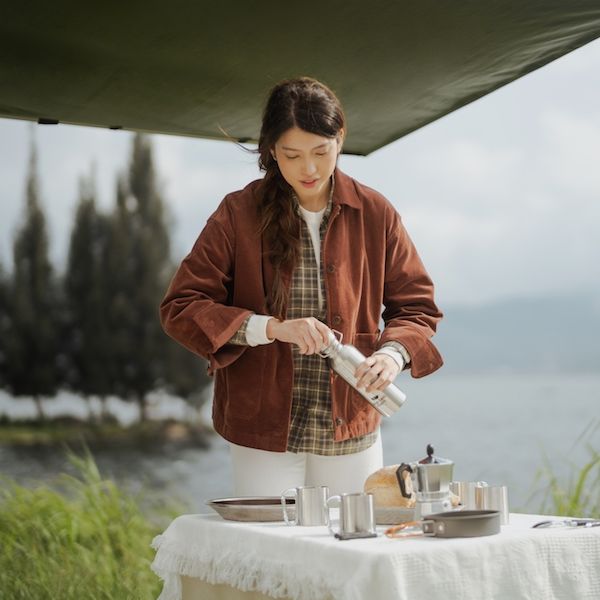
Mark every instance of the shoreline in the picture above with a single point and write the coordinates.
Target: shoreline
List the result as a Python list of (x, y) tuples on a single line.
[(58, 432)]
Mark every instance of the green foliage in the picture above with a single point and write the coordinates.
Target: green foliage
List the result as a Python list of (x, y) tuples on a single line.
[(96, 331), (90, 541), (579, 495), (138, 254), (32, 345), (87, 334)]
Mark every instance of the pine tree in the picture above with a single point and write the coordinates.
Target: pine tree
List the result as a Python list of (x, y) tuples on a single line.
[(120, 310), (32, 345), (87, 334), (138, 268), (139, 251)]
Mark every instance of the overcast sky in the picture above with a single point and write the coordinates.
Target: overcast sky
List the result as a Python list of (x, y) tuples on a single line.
[(502, 197)]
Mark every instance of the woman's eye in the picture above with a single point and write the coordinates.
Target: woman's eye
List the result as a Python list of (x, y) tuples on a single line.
[(317, 153)]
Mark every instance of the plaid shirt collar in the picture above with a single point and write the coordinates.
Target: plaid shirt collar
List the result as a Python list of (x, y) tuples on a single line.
[(328, 208)]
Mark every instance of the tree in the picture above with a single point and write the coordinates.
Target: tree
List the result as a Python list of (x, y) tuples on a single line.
[(32, 345), (87, 334), (138, 260)]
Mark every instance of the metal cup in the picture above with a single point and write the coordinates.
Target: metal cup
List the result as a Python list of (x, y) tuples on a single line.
[(311, 505), (357, 516), (465, 490), (493, 497)]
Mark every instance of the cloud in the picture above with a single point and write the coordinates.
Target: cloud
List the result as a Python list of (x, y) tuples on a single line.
[(573, 165)]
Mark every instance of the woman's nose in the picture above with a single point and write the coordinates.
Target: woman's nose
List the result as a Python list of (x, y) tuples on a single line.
[(309, 167)]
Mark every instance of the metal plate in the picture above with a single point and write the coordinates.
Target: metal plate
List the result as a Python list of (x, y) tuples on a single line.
[(253, 508)]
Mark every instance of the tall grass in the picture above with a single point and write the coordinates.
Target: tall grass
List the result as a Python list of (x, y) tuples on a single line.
[(87, 541), (579, 494)]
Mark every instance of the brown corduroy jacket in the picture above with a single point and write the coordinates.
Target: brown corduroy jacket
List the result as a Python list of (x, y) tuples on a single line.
[(368, 260)]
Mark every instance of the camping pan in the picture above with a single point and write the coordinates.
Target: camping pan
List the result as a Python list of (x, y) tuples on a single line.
[(465, 523)]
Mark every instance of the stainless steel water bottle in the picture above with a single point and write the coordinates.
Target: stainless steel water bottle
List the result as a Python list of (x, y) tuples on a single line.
[(344, 359)]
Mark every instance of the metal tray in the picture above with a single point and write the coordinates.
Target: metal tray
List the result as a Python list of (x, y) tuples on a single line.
[(253, 508)]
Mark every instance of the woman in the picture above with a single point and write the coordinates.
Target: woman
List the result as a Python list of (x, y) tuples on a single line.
[(302, 250)]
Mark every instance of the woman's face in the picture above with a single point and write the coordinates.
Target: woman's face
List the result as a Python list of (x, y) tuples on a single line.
[(306, 161)]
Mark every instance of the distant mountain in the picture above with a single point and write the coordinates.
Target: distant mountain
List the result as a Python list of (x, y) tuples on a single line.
[(548, 334)]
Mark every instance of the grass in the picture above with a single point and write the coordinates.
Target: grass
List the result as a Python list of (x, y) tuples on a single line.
[(579, 495), (87, 541)]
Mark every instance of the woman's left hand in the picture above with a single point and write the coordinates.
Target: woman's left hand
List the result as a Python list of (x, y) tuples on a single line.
[(377, 372)]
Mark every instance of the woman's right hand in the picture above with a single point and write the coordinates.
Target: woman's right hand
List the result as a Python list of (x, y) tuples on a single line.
[(309, 334)]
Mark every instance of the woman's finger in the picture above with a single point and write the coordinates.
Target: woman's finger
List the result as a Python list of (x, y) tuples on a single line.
[(375, 373), (364, 367), (316, 342), (381, 382), (323, 332), (369, 374)]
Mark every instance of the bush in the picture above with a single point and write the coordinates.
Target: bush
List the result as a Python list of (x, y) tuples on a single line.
[(89, 540), (579, 496)]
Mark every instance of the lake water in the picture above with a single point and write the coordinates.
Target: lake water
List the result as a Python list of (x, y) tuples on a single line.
[(499, 428)]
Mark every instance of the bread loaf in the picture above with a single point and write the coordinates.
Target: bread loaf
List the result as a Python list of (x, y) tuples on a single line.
[(383, 484)]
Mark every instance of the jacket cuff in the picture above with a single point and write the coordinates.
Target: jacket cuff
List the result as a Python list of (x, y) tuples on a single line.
[(424, 356)]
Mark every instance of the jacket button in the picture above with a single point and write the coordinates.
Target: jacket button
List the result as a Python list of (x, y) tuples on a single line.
[(330, 268), (336, 319), (339, 421)]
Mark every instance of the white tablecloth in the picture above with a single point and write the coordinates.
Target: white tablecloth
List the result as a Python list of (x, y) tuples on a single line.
[(306, 563)]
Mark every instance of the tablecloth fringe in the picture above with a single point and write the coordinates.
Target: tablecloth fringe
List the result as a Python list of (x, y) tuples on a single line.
[(275, 580)]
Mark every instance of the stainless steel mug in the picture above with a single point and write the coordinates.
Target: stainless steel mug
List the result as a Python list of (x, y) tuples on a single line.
[(311, 505), (357, 516), (344, 359), (493, 497), (465, 490)]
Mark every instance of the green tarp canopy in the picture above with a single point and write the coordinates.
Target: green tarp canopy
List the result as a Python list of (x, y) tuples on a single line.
[(203, 69)]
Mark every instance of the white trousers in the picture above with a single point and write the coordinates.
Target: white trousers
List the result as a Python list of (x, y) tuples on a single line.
[(263, 473)]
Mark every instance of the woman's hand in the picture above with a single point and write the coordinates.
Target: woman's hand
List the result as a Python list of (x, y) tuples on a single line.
[(377, 372), (309, 334)]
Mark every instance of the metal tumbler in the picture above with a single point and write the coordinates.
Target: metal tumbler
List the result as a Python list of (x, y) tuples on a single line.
[(344, 359), (311, 505), (357, 515)]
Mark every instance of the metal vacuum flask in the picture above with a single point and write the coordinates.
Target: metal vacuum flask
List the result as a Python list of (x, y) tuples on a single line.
[(344, 359)]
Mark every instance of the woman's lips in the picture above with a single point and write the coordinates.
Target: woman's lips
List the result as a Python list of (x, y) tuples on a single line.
[(309, 183)]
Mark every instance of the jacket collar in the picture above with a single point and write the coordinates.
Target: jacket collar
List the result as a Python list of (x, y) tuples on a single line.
[(344, 190)]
